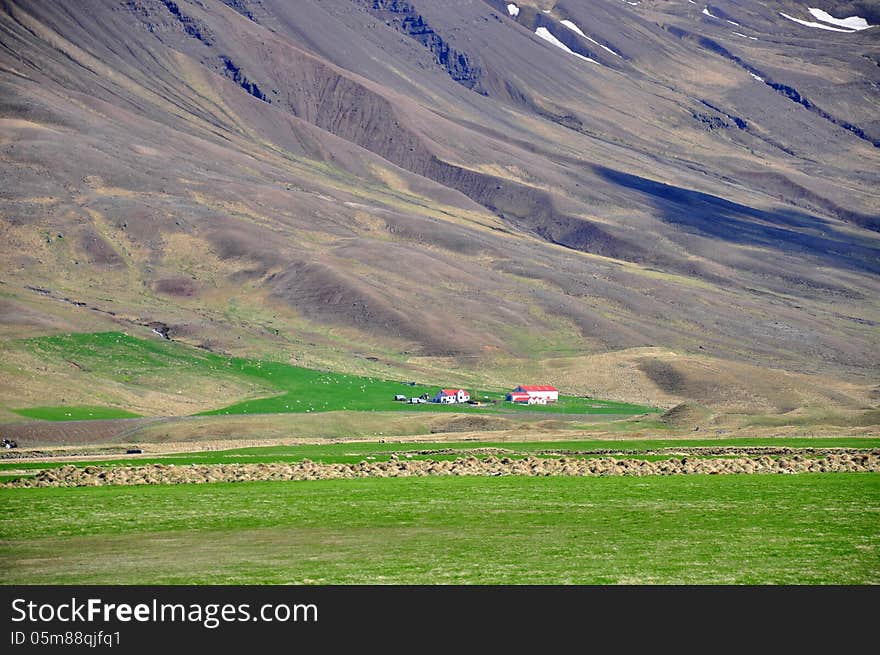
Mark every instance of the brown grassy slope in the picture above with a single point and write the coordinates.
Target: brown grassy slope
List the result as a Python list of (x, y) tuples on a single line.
[(258, 188)]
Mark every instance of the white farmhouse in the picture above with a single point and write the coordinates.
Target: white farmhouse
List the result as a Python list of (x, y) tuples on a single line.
[(449, 396)]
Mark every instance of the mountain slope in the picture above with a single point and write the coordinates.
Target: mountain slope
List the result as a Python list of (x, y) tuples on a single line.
[(438, 185)]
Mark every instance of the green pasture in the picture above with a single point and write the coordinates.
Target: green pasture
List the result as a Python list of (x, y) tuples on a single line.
[(131, 360), (752, 529)]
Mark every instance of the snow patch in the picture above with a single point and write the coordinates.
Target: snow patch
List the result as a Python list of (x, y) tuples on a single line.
[(513, 10), (757, 77), (733, 22), (746, 36), (710, 14), (574, 28), (812, 24), (853, 22), (605, 47), (545, 34)]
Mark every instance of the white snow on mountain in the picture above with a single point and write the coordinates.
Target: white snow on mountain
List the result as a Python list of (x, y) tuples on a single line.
[(545, 34), (821, 26), (574, 28), (853, 22)]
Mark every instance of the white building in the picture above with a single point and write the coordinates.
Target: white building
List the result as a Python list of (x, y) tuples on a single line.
[(449, 396), (534, 394)]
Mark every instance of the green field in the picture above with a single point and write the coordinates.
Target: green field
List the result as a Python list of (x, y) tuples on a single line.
[(807, 528), (130, 361), (355, 451), (74, 413), (822, 528)]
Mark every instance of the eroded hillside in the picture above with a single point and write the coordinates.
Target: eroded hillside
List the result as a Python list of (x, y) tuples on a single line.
[(452, 187)]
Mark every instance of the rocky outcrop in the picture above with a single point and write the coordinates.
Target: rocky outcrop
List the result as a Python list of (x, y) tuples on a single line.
[(403, 17), (233, 72), (788, 91), (190, 25)]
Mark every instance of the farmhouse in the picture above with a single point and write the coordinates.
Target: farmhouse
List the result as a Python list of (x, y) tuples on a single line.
[(534, 394), (448, 396)]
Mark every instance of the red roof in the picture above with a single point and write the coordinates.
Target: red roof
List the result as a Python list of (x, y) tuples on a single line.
[(451, 392), (539, 387)]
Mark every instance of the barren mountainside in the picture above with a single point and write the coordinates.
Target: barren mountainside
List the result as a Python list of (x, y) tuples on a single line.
[(676, 190)]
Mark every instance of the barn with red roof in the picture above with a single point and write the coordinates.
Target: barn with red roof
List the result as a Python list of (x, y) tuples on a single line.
[(534, 394)]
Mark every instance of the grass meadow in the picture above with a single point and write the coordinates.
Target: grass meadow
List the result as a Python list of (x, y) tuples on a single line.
[(700, 529), (134, 362), (752, 529)]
